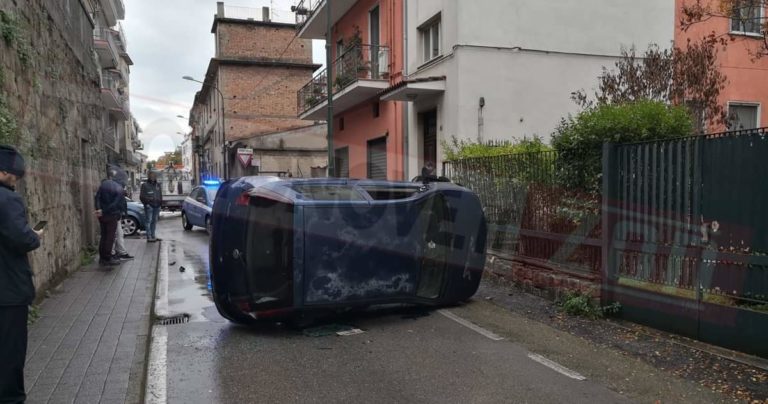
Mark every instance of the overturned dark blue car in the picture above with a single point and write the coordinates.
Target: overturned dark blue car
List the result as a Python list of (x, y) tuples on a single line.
[(284, 248)]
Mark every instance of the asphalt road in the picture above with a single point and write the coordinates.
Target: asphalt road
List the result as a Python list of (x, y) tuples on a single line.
[(403, 356)]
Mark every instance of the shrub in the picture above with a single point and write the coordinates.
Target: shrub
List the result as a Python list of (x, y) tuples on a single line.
[(461, 149), (579, 140), (579, 304)]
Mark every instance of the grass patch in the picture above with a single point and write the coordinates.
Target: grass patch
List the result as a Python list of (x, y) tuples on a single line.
[(87, 256), (34, 314), (580, 304)]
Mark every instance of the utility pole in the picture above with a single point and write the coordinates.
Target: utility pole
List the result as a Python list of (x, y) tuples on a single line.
[(329, 88)]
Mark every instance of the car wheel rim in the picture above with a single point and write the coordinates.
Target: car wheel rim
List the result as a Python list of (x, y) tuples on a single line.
[(184, 220), (129, 226)]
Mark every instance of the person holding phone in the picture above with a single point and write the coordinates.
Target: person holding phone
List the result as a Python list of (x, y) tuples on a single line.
[(17, 291)]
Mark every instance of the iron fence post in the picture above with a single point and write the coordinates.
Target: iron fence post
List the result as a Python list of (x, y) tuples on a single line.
[(608, 190)]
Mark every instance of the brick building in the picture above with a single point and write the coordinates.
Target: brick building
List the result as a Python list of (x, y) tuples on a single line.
[(250, 86)]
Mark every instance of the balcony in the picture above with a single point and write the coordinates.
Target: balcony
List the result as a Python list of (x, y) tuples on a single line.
[(106, 47), (114, 10), (358, 75), (312, 16), (112, 97)]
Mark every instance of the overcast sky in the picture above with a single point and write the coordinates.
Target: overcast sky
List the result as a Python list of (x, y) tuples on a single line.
[(168, 39)]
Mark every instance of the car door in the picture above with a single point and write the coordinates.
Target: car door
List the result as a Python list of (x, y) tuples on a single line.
[(192, 210), (200, 207)]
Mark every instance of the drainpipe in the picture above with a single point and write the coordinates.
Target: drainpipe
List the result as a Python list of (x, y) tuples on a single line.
[(405, 104), (329, 88)]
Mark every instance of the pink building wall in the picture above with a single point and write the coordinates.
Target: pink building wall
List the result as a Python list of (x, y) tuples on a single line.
[(360, 125), (747, 78)]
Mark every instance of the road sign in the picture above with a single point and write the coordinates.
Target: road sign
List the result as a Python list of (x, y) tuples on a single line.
[(245, 156)]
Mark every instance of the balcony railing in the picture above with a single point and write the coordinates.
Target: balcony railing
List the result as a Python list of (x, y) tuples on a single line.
[(304, 11), (110, 81), (361, 62), (104, 38)]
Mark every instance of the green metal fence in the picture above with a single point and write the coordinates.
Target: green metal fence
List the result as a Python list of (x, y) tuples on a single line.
[(530, 214), (685, 232)]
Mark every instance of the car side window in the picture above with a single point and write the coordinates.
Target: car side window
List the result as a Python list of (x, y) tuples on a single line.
[(200, 195), (194, 194)]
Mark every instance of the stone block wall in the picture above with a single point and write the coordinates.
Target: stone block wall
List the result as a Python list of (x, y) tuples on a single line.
[(542, 279), (49, 91)]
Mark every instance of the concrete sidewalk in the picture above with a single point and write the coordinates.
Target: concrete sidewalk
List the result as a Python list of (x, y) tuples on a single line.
[(90, 343)]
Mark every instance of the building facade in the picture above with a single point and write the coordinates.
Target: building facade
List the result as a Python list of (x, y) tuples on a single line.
[(63, 113), (420, 73), (745, 96), (296, 153), (250, 85), (492, 70), (367, 53)]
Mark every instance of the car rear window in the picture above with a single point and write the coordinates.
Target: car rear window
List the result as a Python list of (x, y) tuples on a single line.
[(328, 193), (384, 193)]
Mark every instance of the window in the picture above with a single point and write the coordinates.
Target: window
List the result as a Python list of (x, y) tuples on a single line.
[(743, 116), (746, 17), (429, 35), (376, 111), (341, 124)]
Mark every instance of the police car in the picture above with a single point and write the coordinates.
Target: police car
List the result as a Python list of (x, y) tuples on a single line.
[(196, 208)]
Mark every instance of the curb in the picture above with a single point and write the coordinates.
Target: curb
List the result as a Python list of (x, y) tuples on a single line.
[(159, 307)]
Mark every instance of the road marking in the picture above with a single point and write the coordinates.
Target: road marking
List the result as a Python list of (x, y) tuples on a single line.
[(157, 373), (471, 326), (556, 367)]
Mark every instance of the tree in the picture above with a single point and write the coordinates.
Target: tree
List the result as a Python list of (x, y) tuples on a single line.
[(744, 15), (689, 77)]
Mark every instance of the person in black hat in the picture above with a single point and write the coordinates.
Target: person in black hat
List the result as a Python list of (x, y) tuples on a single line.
[(16, 288), (110, 205)]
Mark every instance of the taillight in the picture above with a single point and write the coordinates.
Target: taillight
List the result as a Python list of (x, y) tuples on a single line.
[(243, 200)]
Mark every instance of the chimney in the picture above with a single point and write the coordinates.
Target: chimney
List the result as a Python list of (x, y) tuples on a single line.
[(265, 14), (220, 9)]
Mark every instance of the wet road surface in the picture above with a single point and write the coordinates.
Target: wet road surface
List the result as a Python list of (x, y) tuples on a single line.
[(404, 355)]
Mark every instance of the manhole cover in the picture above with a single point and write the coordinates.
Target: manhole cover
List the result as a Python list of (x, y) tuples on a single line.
[(179, 319)]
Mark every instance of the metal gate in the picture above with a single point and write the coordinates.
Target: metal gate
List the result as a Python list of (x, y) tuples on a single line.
[(377, 158), (685, 227)]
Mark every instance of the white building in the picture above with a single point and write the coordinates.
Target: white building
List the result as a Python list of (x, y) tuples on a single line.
[(499, 69), (187, 152)]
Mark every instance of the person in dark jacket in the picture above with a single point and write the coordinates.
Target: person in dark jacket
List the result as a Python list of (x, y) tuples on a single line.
[(151, 196), (111, 204), (16, 288), (118, 251)]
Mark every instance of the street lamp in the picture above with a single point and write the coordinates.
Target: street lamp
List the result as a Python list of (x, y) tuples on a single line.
[(223, 126)]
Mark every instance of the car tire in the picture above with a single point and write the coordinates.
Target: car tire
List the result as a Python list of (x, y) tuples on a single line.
[(208, 225), (184, 222), (130, 225)]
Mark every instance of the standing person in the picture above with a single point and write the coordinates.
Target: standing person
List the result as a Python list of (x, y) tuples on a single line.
[(119, 251), (17, 291), (110, 206), (151, 196)]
